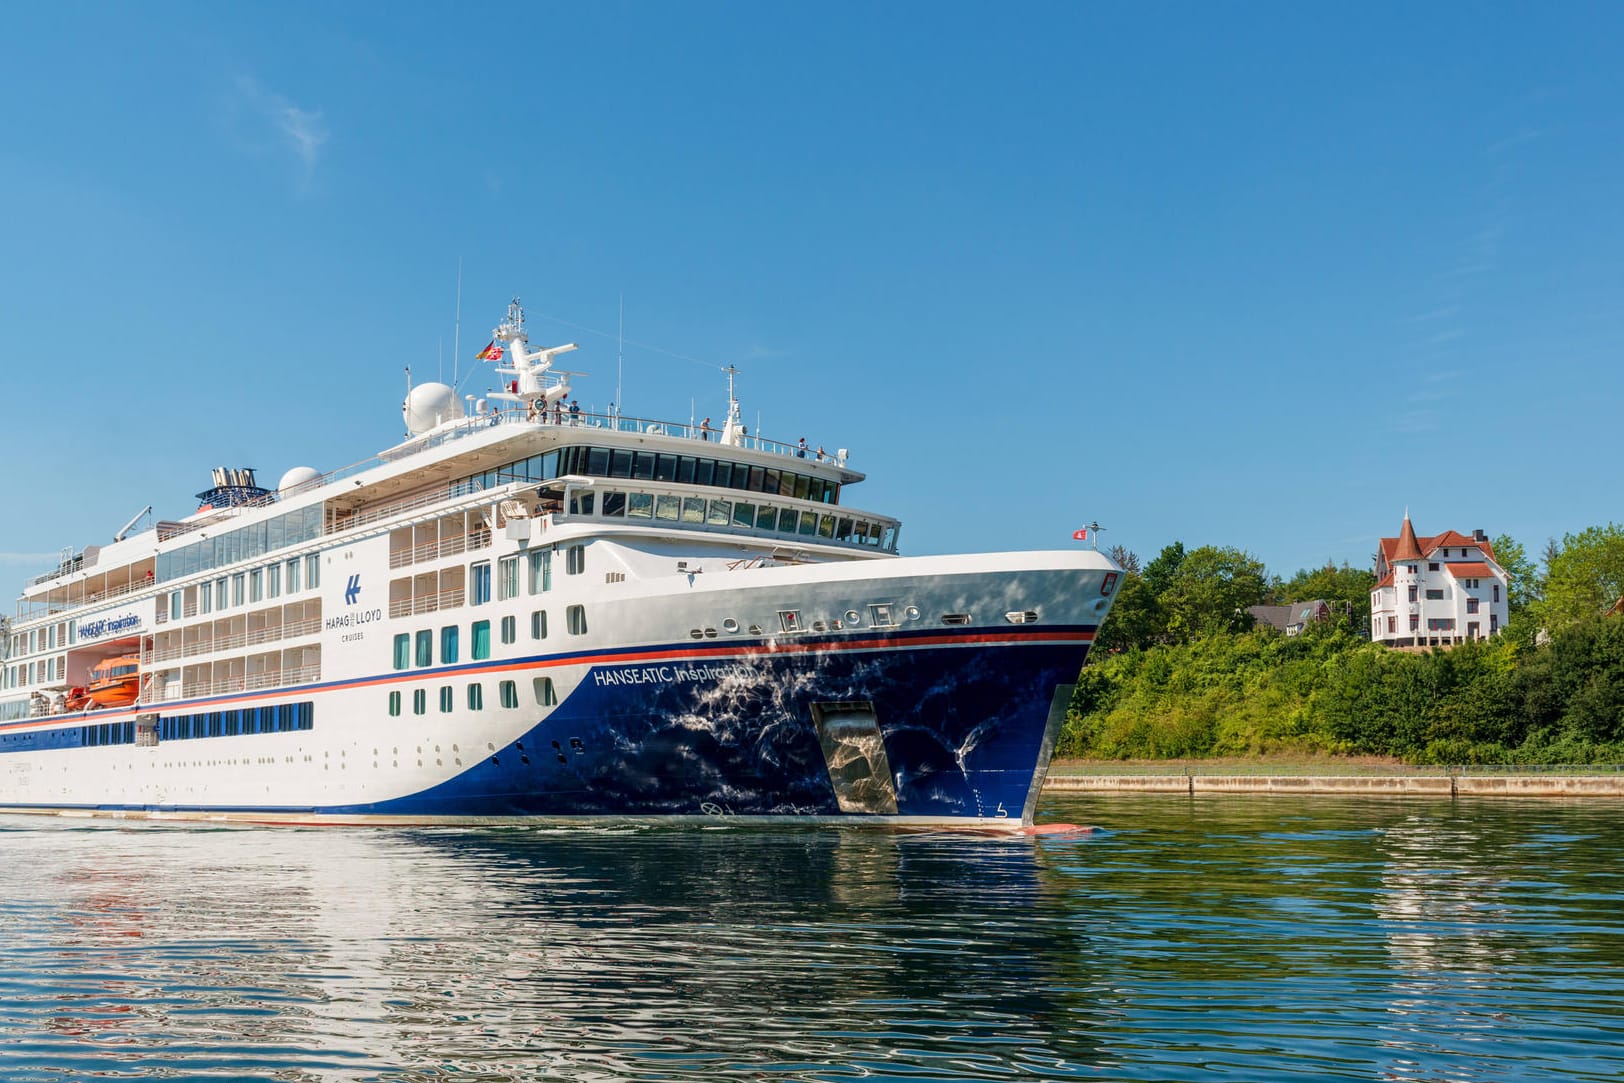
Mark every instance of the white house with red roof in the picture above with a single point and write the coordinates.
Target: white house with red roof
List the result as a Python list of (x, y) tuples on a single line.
[(1436, 591)]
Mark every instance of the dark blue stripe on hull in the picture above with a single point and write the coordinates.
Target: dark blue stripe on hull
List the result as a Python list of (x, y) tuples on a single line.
[(962, 729)]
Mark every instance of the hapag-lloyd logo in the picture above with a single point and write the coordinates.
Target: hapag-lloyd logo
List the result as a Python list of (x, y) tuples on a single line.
[(352, 589)]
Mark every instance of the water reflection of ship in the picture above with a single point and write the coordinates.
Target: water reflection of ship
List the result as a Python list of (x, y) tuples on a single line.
[(586, 952)]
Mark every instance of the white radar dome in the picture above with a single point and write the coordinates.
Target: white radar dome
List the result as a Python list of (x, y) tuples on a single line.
[(296, 477), (428, 405)]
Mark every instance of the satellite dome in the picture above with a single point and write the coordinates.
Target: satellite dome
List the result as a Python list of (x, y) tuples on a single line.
[(428, 405), (299, 475)]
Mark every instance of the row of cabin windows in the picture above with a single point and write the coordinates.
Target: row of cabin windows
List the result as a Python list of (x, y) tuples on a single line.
[(739, 514), (44, 671), (506, 579), (49, 638), (280, 718), (507, 692), (601, 462), (252, 586), (416, 649), (245, 721), (244, 543)]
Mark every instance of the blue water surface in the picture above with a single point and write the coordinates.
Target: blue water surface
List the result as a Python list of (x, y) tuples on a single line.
[(1236, 937)]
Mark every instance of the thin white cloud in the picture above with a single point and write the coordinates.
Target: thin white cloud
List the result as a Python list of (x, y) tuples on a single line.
[(28, 558), (263, 119)]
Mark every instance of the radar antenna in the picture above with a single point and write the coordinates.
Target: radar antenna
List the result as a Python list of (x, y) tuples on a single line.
[(732, 429)]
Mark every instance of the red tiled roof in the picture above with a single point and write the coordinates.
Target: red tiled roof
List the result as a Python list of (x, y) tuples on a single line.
[(1469, 569), (1384, 581), (1430, 545), (1407, 548)]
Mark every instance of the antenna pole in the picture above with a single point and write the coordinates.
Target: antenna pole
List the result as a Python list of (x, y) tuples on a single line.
[(456, 334), (620, 359)]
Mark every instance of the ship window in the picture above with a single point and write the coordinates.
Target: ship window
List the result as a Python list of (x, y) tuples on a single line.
[(480, 574), (312, 571), (757, 480), (174, 612), (724, 476), (597, 461), (420, 701), (575, 620), (826, 526), (802, 484), (538, 624), (640, 506), (705, 472), (665, 468), (293, 576), (448, 644), (256, 585), (666, 507), (549, 466), (509, 693), (789, 620), (581, 503), (744, 515), (403, 651), (620, 463), (425, 648), (766, 517), (236, 589), (787, 518), (614, 504), (509, 629), (541, 571), (770, 484), (482, 640), (693, 509), (720, 512), (880, 616), (575, 559), (508, 578), (643, 465), (546, 695), (446, 700), (476, 697), (809, 522), (273, 581)]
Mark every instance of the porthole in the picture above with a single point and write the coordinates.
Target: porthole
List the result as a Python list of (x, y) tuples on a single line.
[(710, 633), (730, 625), (851, 616), (695, 633), (911, 613)]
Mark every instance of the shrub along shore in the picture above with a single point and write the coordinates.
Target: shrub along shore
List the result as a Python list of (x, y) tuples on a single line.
[(1260, 693)]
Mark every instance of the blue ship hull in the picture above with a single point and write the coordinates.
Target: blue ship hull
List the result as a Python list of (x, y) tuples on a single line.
[(966, 731)]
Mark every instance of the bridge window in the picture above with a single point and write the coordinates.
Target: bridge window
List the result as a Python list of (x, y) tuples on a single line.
[(639, 506)]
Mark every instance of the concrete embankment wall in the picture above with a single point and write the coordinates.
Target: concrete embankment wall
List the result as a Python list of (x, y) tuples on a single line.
[(1396, 785)]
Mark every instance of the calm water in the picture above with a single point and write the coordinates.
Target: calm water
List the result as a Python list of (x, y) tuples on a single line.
[(1250, 938)]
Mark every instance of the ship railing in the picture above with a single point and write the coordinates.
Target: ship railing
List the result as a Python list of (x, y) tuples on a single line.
[(380, 512), (648, 426), (427, 603), (32, 610), (444, 547), (252, 682), (235, 640)]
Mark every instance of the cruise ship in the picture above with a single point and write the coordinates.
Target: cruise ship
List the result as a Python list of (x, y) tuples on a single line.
[(526, 610)]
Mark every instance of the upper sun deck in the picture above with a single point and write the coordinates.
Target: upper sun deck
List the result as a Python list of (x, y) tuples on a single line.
[(486, 451)]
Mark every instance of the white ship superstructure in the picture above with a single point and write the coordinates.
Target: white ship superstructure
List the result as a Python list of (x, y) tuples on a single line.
[(527, 610)]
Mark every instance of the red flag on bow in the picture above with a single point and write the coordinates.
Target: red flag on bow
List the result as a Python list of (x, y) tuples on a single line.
[(1080, 535), (493, 352)]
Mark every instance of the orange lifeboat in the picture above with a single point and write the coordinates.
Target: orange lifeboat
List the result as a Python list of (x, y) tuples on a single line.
[(114, 682)]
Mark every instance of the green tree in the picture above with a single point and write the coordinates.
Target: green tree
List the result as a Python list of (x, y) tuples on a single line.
[(1210, 590), (1584, 577), (1136, 618), (1524, 586)]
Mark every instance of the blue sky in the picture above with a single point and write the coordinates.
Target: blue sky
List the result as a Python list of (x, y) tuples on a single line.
[(1253, 275)]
